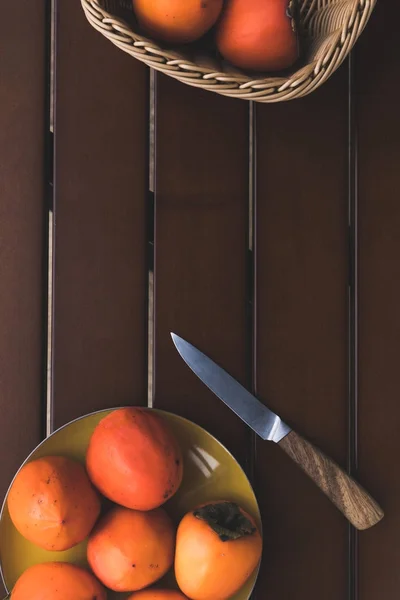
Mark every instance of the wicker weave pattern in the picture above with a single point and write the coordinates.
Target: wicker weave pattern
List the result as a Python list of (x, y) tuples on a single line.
[(330, 29)]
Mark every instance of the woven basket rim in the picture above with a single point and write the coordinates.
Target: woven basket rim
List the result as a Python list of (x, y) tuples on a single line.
[(234, 82)]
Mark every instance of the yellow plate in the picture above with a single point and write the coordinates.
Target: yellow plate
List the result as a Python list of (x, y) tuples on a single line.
[(210, 473)]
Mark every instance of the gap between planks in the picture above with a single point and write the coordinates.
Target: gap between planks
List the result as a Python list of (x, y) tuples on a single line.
[(352, 443)]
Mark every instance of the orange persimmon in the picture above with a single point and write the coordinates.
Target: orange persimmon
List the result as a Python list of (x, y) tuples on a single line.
[(57, 581), (218, 547), (258, 35), (177, 21), (134, 459), (129, 549), (52, 502)]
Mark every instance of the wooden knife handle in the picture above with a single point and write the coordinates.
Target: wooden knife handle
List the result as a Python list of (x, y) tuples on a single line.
[(347, 495)]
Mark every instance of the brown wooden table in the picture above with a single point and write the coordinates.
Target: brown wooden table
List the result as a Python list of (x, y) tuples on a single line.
[(286, 273)]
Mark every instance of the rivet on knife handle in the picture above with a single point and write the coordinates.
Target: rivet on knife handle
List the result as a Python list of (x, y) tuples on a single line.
[(347, 495)]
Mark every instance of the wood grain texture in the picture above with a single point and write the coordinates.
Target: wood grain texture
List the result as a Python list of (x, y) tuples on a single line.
[(379, 295), (100, 349), (301, 333), (200, 250), (22, 232), (346, 494)]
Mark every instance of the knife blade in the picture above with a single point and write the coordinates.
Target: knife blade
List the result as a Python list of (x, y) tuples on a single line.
[(257, 416), (345, 493)]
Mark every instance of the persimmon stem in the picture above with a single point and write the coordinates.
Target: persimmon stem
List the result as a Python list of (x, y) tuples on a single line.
[(226, 519)]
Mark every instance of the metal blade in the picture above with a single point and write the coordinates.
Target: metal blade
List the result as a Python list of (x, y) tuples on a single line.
[(260, 418)]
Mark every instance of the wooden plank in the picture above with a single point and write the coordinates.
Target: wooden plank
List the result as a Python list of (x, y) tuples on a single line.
[(301, 348), (22, 219), (22, 232), (100, 347), (200, 250), (379, 296)]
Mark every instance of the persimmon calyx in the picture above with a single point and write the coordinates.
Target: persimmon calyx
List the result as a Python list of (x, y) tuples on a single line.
[(226, 519)]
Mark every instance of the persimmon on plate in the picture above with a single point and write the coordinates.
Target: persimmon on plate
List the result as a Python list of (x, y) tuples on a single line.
[(57, 581), (210, 473), (53, 503), (134, 459)]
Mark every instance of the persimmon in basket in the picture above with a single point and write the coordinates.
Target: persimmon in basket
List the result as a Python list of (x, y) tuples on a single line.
[(177, 21), (52, 502), (218, 547), (258, 35), (57, 580)]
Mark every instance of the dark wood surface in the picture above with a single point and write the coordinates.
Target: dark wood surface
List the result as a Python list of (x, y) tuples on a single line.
[(100, 176), (303, 307), (201, 224), (22, 230), (301, 350), (379, 297)]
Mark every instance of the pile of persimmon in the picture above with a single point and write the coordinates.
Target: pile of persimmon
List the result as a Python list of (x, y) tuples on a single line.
[(134, 461), (255, 35)]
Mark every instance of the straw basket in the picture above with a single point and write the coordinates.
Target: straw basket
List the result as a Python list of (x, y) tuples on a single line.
[(328, 30)]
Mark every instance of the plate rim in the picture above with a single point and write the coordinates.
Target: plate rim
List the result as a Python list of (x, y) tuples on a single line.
[(109, 410)]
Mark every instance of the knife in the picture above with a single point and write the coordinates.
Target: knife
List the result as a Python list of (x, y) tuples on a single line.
[(346, 494)]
